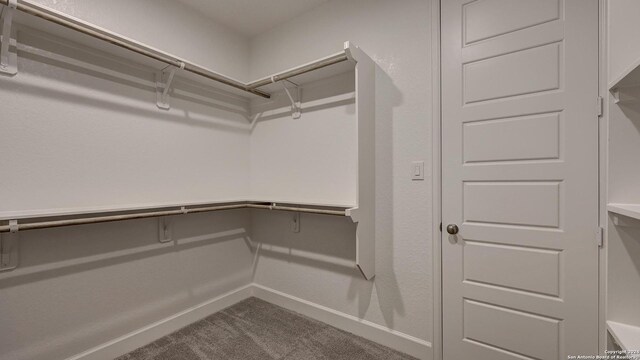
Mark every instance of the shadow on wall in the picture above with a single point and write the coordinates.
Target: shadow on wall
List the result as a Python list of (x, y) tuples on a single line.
[(51, 60), (58, 252), (328, 242), (631, 109)]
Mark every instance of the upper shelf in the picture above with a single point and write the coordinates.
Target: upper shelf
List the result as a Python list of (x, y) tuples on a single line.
[(630, 210), (627, 336), (56, 23)]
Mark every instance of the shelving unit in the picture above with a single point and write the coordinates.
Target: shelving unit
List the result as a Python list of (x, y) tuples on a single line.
[(26, 15), (623, 227), (626, 336)]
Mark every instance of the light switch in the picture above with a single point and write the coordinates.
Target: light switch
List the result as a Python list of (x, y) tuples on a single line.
[(417, 170)]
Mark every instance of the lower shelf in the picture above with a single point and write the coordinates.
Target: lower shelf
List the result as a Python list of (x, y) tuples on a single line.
[(13, 222), (627, 336)]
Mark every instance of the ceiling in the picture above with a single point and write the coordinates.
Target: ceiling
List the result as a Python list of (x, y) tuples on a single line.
[(251, 17)]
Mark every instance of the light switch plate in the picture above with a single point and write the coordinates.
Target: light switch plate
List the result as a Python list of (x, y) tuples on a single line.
[(417, 170)]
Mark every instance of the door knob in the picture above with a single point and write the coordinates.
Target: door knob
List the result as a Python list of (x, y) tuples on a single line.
[(452, 229)]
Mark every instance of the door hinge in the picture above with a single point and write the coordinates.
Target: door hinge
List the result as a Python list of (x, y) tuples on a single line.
[(600, 237), (600, 106)]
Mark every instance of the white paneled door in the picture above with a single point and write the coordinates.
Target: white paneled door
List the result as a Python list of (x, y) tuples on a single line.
[(520, 179)]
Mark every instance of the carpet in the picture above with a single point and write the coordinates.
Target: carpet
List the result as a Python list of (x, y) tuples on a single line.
[(255, 329)]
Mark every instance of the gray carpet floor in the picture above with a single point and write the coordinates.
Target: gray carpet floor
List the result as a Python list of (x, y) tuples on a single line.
[(255, 329)]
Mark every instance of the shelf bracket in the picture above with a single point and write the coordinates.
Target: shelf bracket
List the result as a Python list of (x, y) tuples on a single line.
[(295, 222), (8, 57), (624, 221), (165, 229), (295, 103), (164, 78), (9, 247)]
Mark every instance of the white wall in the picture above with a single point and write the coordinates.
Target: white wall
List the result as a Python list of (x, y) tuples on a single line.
[(623, 34), (82, 130), (167, 25), (94, 133), (397, 37), (313, 159)]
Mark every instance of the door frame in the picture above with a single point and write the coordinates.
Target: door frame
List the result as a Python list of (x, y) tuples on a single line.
[(602, 169), (436, 134), (436, 113)]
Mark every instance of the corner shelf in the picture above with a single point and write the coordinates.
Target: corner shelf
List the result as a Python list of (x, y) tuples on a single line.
[(626, 336)]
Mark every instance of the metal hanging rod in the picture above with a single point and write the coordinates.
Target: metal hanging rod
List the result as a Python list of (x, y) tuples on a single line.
[(330, 60), (98, 33), (115, 39), (183, 210)]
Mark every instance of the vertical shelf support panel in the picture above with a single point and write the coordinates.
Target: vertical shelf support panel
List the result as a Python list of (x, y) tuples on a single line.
[(8, 52), (365, 214)]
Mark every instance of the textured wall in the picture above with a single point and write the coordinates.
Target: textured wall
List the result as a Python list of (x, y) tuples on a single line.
[(397, 37)]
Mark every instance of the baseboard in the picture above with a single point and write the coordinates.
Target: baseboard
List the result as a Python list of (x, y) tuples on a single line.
[(407, 344), (152, 332)]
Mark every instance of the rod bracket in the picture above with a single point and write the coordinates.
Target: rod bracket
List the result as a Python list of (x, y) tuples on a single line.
[(295, 222), (164, 78), (8, 42), (165, 229), (9, 247), (296, 105)]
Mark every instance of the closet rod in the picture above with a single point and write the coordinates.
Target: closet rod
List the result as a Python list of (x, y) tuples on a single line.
[(150, 214), (333, 59), (98, 33), (297, 209)]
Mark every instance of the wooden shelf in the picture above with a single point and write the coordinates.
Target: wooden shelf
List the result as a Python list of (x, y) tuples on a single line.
[(627, 336), (79, 212), (630, 210)]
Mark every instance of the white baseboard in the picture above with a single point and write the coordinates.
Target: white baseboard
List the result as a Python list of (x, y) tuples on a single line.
[(152, 332), (407, 344)]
